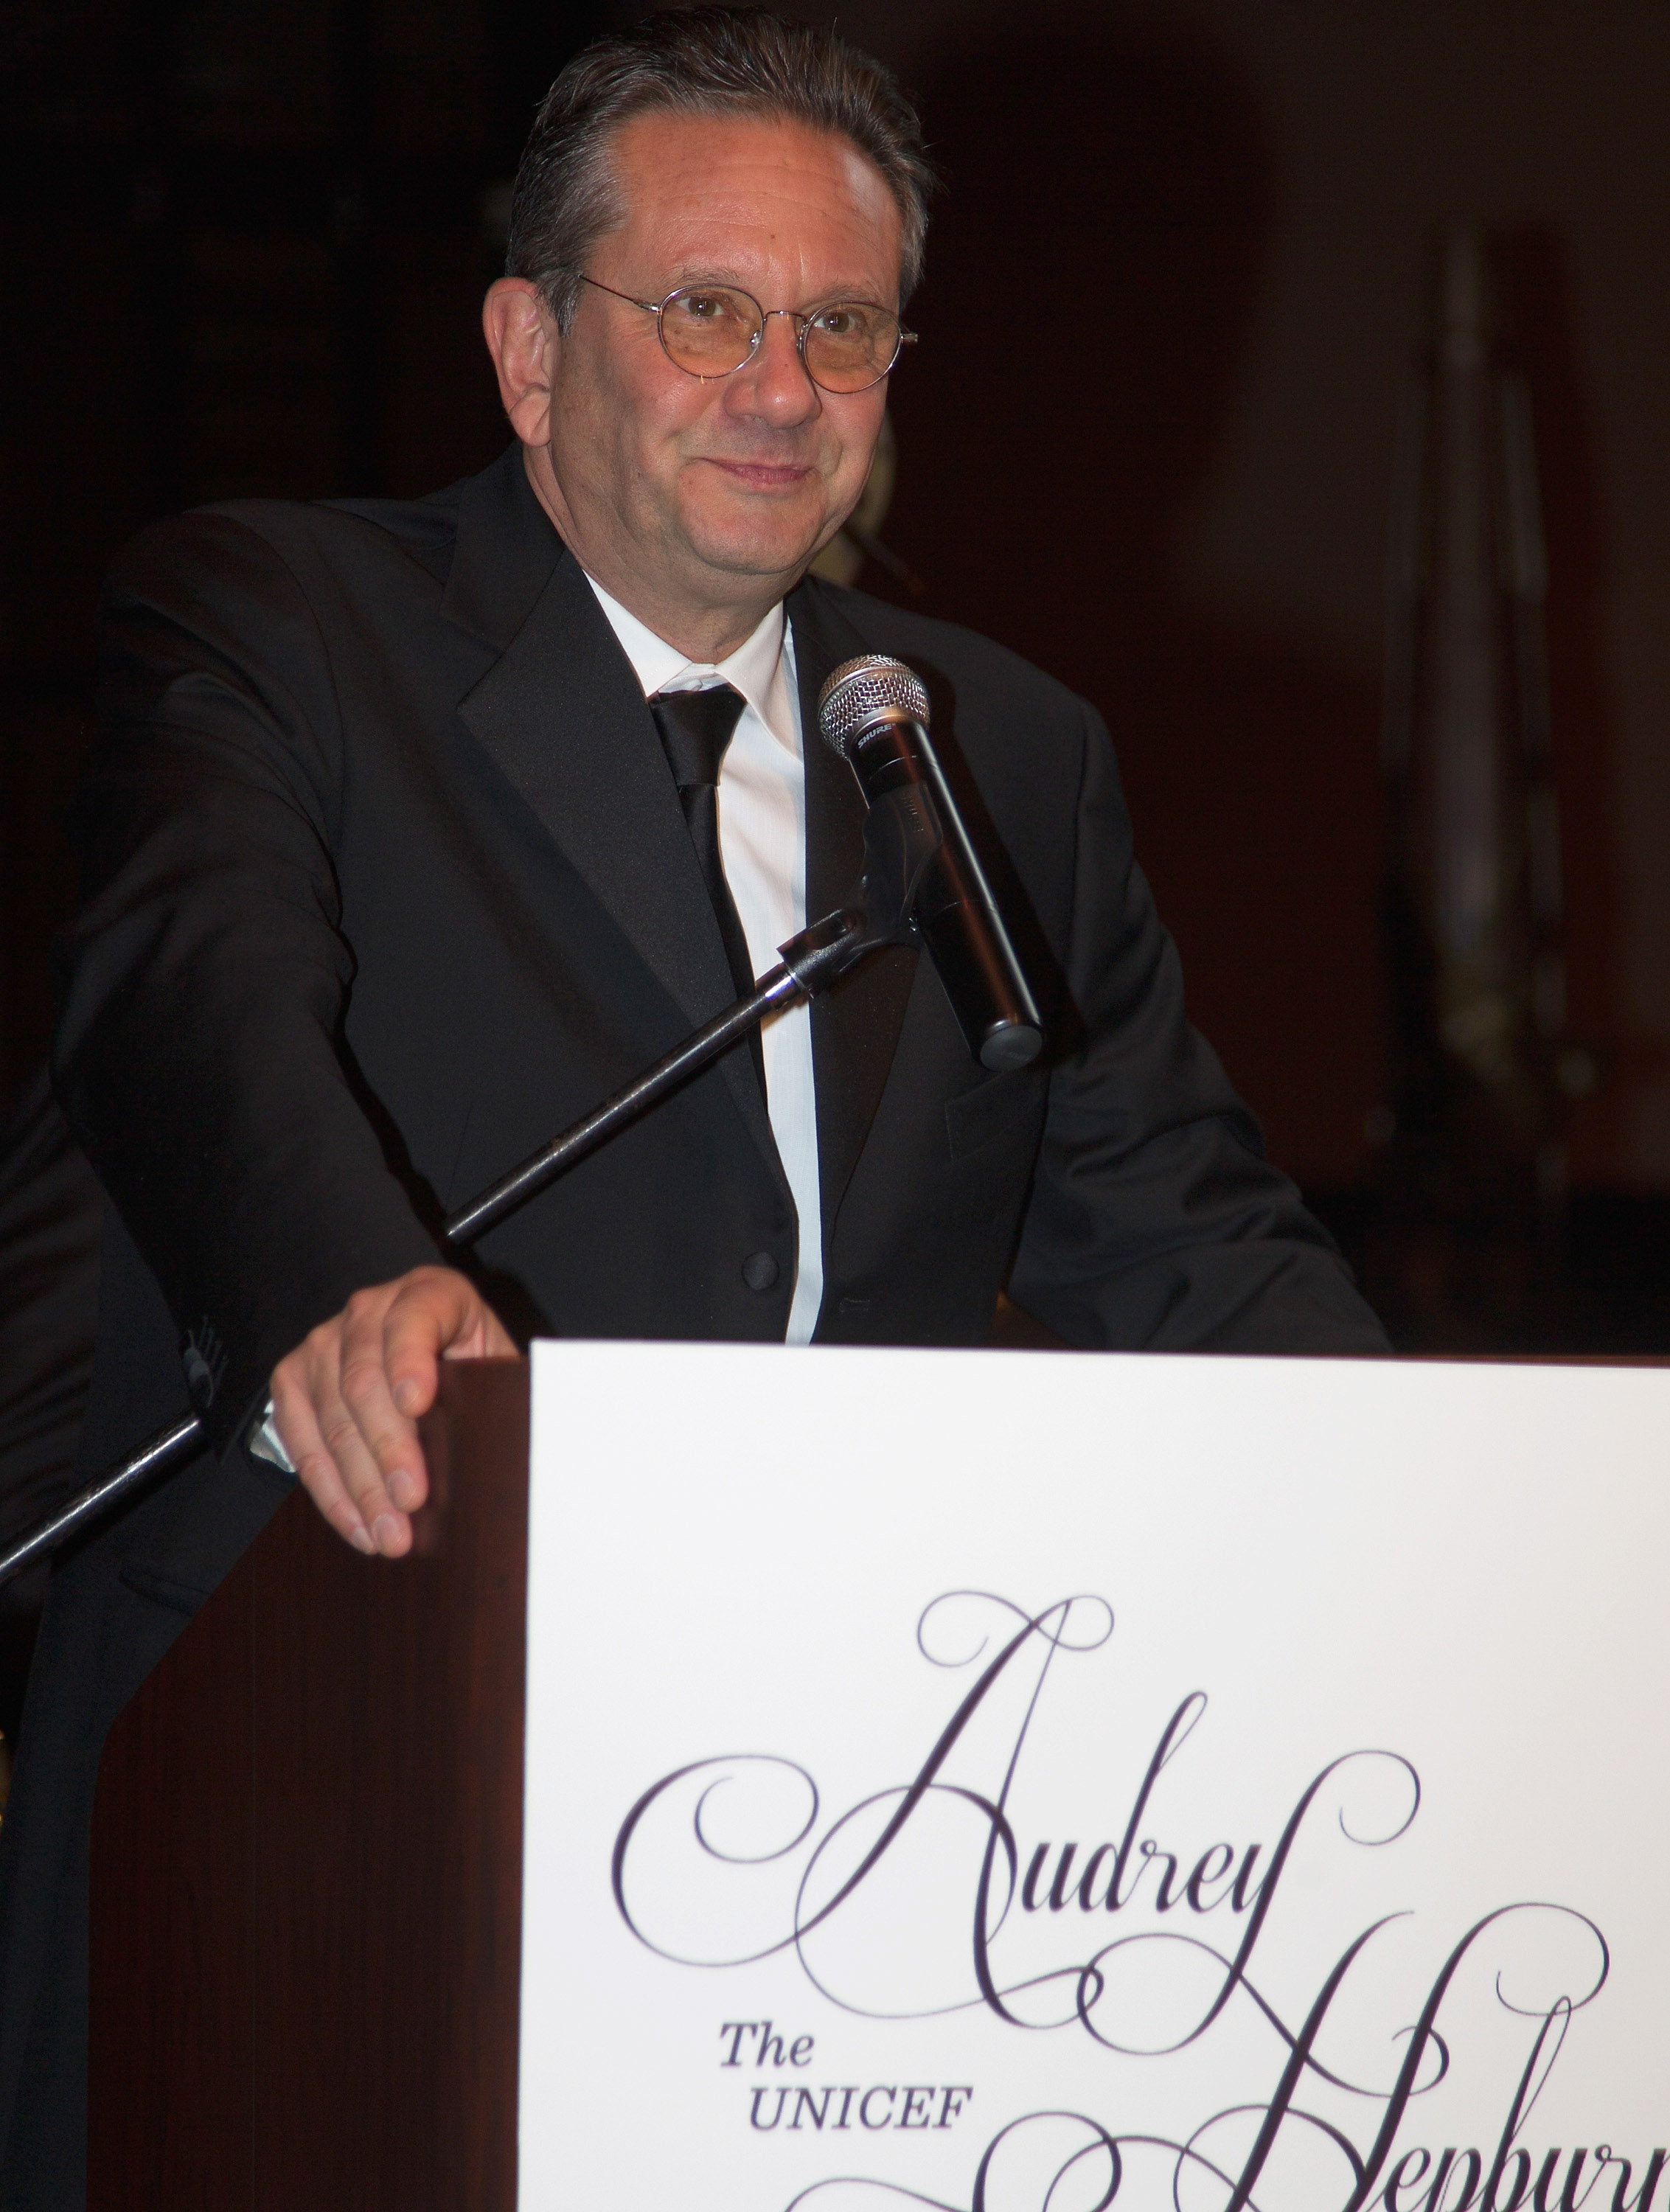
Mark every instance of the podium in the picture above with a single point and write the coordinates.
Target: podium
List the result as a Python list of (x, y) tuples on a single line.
[(993, 1781), (307, 1864)]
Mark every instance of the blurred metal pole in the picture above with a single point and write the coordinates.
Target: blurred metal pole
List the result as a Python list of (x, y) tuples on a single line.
[(1484, 1065)]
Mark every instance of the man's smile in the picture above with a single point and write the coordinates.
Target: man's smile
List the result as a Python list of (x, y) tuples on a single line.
[(763, 476)]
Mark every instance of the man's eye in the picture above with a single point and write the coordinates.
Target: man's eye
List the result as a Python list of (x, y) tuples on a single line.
[(710, 309)]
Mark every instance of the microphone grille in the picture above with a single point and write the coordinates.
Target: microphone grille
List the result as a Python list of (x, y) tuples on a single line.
[(859, 689)]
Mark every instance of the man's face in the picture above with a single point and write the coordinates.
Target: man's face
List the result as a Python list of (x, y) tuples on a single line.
[(703, 491)]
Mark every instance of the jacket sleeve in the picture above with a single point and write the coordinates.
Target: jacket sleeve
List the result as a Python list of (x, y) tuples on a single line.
[(199, 1051), (1155, 1220)]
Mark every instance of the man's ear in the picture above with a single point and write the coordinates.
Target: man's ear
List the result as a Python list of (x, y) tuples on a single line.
[(523, 342)]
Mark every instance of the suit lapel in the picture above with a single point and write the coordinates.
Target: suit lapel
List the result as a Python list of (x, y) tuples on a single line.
[(561, 715), (855, 1026)]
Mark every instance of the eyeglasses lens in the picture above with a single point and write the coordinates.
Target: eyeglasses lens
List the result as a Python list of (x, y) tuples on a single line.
[(849, 347), (712, 331), (709, 332)]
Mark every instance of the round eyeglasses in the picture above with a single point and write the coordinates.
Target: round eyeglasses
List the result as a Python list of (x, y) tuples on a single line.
[(712, 330)]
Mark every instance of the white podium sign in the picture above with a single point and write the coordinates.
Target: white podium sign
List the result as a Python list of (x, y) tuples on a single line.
[(1017, 1783)]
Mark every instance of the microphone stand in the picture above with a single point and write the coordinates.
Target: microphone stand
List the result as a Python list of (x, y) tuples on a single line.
[(810, 962)]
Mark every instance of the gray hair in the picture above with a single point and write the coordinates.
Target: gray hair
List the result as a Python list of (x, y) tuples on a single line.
[(700, 61)]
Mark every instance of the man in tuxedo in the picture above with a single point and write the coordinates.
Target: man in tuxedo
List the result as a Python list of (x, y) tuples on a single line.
[(417, 828)]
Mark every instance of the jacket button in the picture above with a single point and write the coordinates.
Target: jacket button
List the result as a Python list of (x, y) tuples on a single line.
[(759, 1271)]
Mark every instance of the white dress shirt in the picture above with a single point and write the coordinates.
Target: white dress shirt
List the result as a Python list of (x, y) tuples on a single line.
[(762, 845)]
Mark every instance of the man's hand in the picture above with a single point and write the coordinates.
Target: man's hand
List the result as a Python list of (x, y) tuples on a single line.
[(347, 1400)]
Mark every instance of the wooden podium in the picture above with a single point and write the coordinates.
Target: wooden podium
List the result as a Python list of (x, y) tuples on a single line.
[(748, 1698), (307, 1864)]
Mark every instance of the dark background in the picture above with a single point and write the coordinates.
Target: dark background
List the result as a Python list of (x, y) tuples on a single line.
[(246, 241)]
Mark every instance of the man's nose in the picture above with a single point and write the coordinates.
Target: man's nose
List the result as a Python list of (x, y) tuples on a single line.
[(774, 384)]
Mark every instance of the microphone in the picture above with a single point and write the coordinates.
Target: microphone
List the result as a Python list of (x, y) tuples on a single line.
[(874, 712)]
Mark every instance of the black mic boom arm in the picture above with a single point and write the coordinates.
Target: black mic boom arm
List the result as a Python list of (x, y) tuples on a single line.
[(810, 963)]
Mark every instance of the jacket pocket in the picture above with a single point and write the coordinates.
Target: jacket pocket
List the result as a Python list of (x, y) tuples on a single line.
[(149, 1582)]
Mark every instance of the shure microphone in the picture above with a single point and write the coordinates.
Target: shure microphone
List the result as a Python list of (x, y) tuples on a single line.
[(874, 712)]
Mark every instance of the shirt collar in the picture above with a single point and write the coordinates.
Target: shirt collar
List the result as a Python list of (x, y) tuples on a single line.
[(755, 668)]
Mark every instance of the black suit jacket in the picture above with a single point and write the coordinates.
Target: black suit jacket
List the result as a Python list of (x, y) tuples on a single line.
[(388, 880)]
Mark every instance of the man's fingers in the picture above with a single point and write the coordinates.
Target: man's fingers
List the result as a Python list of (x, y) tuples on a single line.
[(390, 1530), (346, 1400), (311, 1457), (336, 1447), (436, 1314), (367, 1390)]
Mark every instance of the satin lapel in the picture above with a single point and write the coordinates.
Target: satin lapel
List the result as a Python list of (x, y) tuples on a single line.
[(855, 1026), (562, 715)]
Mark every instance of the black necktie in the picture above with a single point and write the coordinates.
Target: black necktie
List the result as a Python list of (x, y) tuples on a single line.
[(695, 728)]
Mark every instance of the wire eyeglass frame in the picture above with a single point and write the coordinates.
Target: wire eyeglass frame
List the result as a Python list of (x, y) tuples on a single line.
[(803, 324)]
